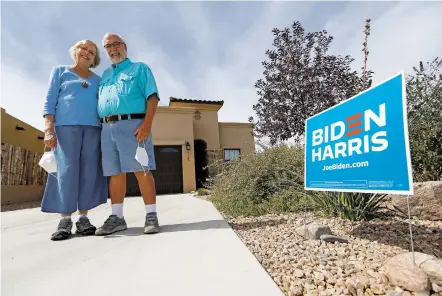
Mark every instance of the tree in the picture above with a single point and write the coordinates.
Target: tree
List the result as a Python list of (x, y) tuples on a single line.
[(424, 96), (300, 79)]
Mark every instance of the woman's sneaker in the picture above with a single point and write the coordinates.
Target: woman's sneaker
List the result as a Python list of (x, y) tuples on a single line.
[(63, 230), (84, 226)]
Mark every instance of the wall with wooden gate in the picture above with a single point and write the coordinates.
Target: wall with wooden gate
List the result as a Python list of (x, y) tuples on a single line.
[(22, 179)]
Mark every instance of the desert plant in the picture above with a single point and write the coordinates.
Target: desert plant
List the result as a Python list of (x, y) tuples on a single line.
[(354, 206), (366, 74), (424, 95), (270, 181)]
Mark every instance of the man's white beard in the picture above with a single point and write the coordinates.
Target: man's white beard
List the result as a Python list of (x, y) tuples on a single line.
[(118, 59)]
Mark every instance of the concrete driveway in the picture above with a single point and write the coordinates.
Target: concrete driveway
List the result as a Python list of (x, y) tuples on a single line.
[(196, 253)]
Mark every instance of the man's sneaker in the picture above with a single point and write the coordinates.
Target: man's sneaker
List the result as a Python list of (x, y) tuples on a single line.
[(111, 225), (63, 230), (151, 225), (84, 226)]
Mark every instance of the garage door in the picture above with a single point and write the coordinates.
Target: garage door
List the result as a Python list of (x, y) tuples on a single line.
[(168, 174)]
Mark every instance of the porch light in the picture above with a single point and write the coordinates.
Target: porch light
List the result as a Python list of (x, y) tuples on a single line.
[(187, 146), (197, 115)]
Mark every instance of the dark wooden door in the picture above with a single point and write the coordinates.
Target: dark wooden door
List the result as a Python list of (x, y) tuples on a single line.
[(168, 174)]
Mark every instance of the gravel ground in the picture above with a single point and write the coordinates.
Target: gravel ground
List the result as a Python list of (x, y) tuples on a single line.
[(309, 267)]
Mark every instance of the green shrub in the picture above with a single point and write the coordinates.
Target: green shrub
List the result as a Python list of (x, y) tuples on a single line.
[(202, 192), (424, 95), (264, 182), (349, 205)]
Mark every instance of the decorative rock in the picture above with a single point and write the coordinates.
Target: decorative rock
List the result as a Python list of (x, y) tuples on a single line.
[(288, 258), (299, 273), (403, 273), (360, 286), (433, 268), (333, 238), (297, 291), (377, 289), (340, 283), (422, 293), (313, 231), (351, 289), (286, 286), (436, 288), (319, 276)]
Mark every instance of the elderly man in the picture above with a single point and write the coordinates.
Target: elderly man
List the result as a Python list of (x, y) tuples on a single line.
[(128, 99)]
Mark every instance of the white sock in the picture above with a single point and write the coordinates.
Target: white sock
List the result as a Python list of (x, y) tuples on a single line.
[(66, 217), (151, 208), (81, 215), (117, 209)]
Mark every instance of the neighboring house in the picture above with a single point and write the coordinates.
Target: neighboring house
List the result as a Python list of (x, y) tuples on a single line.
[(186, 134), (22, 179)]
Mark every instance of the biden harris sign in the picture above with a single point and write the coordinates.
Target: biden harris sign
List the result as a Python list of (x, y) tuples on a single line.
[(361, 144)]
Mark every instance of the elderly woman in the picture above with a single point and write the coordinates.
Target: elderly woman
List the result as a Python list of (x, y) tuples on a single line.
[(72, 130)]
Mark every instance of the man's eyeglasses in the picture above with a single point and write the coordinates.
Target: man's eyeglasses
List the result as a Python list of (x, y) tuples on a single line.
[(116, 44)]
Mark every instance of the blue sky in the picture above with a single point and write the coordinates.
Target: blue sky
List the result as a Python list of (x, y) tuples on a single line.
[(202, 50)]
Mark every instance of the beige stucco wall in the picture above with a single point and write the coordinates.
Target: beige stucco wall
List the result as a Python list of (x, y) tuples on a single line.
[(206, 129), (237, 136), (20, 193), (174, 126), (27, 139)]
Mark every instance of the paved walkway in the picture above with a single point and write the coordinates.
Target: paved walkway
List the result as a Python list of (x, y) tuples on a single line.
[(196, 253)]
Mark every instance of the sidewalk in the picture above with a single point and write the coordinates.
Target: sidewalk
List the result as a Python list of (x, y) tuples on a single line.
[(196, 254)]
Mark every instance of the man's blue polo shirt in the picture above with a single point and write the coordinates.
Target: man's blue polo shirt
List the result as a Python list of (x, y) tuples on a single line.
[(124, 89)]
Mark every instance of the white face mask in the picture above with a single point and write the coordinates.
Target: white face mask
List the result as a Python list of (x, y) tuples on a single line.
[(142, 157), (48, 162)]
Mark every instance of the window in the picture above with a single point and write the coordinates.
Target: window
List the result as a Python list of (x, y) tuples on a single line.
[(230, 154), (169, 150)]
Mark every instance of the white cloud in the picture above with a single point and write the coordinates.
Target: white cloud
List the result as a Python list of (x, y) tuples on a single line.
[(234, 81), (402, 34), (162, 67), (23, 96)]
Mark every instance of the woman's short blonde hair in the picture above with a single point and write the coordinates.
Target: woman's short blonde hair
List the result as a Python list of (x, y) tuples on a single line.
[(77, 45)]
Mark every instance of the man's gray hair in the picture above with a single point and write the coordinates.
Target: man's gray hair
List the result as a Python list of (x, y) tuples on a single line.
[(113, 34)]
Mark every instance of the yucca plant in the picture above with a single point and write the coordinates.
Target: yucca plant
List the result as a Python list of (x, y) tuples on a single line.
[(352, 205)]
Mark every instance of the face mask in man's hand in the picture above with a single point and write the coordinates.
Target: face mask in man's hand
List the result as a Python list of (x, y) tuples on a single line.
[(48, 162), (142, 157)]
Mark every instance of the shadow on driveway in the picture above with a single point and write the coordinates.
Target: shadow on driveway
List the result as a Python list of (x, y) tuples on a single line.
[(194, 226)]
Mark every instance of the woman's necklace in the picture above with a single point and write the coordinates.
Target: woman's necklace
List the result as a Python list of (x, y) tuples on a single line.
[(84, 83)]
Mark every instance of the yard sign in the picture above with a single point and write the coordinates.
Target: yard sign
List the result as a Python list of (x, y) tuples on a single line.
[(361, 144)]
